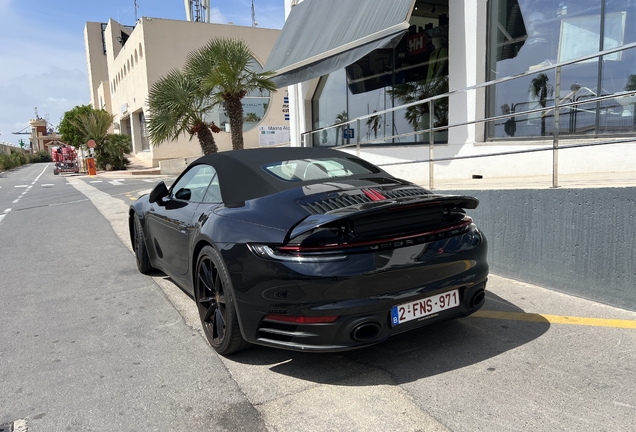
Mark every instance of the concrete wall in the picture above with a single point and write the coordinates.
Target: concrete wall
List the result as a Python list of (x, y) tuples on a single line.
[(6, 149), (577, 241)]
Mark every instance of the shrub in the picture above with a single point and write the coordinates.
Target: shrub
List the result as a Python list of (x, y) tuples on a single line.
[(39, 157), (18, 158), (112, 152), (13, 160)]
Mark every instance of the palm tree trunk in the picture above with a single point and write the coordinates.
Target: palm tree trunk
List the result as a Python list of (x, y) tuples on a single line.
[(543, 104), (235, 113), (206, 140)]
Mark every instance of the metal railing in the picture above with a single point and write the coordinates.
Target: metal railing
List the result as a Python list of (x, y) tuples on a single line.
[(307, 137)]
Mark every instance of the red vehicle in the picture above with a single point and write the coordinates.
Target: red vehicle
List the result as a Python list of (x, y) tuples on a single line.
[(65, 159)]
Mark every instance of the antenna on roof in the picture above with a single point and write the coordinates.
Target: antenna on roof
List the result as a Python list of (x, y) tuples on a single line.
[(254, 22), (136, 7), (197, 10)]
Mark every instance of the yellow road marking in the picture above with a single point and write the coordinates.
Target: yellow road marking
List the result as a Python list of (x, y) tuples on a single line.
[(129, 195), (556, 319)]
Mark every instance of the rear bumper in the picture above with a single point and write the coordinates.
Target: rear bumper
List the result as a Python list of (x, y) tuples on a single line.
[(357, 330), (360, 291)]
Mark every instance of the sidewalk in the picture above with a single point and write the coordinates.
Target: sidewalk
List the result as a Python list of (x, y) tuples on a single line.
[(137, 167), (565, 181)]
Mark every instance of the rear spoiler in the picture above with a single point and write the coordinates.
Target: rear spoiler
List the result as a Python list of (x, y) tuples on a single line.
[(315, 221)]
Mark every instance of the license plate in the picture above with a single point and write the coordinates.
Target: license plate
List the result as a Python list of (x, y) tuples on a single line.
[(424, 307)]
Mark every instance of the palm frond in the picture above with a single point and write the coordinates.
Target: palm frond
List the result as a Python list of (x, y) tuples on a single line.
[(176, 106)]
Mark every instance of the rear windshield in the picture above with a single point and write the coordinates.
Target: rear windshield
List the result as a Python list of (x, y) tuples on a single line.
[(299, 170)]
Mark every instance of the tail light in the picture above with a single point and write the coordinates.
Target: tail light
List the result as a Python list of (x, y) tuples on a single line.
[(308, 253)]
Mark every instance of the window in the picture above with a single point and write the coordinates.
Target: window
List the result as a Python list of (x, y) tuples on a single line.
[(529, 34), (193, 185), (415, 69), (316, 169)]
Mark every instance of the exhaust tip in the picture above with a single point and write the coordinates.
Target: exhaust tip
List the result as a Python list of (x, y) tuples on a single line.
[(366, 332), (478, 298)]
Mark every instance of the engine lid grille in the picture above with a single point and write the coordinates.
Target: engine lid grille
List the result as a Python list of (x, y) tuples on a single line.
[(323, 206)]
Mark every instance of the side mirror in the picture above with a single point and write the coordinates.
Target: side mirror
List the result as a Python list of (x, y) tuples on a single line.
[(158, 192), (183, 194)]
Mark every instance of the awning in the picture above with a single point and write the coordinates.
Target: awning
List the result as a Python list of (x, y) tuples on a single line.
[(321, 36)]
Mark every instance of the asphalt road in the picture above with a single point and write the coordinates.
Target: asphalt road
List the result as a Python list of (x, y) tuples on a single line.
[(87, 343)]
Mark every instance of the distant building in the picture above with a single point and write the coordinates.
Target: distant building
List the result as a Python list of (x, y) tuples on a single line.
[(43, 137), (125, 61)]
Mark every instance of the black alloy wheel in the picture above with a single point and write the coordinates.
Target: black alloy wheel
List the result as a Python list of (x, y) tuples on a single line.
[(141, 253), (216, 304)]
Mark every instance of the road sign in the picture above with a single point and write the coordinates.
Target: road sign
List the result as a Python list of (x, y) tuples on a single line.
[(348, 133), (91, 144)]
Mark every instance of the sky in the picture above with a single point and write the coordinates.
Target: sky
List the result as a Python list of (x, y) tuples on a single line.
[(42, 57)]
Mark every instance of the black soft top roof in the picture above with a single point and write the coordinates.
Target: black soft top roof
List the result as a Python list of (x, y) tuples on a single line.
[(242, 177)]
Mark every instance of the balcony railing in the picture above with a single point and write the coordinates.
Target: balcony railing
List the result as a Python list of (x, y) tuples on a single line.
[(575, 113)]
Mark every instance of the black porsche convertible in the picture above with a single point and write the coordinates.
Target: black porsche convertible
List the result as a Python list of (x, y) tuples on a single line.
[(309, 249)]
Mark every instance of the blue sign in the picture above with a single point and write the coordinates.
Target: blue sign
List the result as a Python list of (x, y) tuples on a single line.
[(348, 133)]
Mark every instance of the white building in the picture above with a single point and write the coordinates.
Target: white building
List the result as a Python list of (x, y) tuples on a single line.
[(352, 59), (125, 61)]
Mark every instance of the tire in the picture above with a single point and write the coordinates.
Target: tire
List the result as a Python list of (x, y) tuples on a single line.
[(215, 302), (55, 171), (141, 253)]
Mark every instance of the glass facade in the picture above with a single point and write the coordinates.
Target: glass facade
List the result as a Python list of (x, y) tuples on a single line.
[(530, 34), (414, 69)]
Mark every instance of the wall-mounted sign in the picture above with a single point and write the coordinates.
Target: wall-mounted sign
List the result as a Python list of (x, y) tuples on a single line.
[(286, 105), (273, 135)]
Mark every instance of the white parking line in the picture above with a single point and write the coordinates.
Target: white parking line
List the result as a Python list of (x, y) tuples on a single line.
[(29, 186), (47, 185), (94, 181), (4, 213), (116, 182)]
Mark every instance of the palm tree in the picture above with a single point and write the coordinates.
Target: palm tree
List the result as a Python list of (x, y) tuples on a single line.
[(341, 118), (373, 123), (178, 106), (251, 117), (94, 125), (416, 91), (222, 67), (539, 88)]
